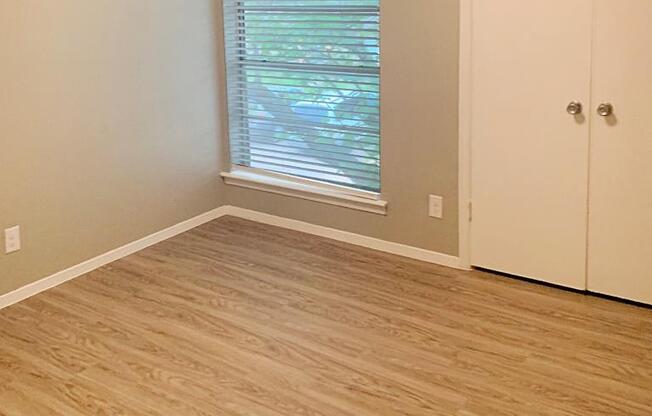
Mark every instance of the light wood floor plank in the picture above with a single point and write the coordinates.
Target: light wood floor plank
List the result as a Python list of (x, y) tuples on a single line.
[(239, 318)]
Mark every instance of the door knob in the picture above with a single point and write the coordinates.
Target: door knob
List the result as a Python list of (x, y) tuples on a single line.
[(574, 108), (605, 109)]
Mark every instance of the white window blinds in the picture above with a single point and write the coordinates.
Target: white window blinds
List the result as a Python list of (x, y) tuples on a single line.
[(303, 88)]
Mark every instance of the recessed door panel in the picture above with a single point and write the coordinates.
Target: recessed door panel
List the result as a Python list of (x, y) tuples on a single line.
[(531, 60)]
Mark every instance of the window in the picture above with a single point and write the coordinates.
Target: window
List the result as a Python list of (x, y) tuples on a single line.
[(303, 89)]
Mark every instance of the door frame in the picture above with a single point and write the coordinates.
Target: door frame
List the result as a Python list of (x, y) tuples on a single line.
[(464, 131)]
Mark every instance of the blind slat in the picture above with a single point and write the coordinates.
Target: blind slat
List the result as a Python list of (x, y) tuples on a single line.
[(274, 132), (251, 89), (307, 167), (343, 146), (316, 160), (306, 130), (269, 98), (325, 84), (296, 116)]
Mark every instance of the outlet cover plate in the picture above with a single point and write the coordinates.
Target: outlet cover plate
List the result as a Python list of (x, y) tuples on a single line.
[(12, 239), (436, 206)]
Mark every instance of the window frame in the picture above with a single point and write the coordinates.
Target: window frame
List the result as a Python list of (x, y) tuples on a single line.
[(308, 189), (296, 186)]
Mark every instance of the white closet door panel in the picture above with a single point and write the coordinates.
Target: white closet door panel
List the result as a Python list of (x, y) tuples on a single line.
[(529, 156), (620, 220)]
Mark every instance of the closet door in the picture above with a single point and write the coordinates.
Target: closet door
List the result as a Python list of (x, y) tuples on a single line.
[(620, 220), (531, 59)]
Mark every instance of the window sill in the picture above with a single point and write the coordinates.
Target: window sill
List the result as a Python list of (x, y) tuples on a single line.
[(324, 193)]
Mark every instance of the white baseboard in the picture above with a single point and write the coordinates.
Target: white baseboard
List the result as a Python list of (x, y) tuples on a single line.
[(130, 248), (347, 237), (106, 258)]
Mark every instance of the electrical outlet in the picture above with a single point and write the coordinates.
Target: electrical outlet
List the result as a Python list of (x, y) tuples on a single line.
[(436, 206), (12, 239)]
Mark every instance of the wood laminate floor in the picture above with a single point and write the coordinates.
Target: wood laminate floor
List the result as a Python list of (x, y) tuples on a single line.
[(239, 318)]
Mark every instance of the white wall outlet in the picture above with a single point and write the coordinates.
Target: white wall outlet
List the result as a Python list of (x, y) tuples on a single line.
[(436, 206), (12, 239)]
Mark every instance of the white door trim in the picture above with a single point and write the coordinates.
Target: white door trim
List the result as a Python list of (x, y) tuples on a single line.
[(465, 111)]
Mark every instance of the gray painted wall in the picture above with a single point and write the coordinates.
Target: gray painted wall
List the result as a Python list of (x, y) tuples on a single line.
[(108, 125), (113, 127)]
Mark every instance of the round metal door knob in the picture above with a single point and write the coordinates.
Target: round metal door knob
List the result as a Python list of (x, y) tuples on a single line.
[(605, 109), (574, 108)]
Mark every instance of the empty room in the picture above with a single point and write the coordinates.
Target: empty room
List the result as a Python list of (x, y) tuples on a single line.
[(325, 208)]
